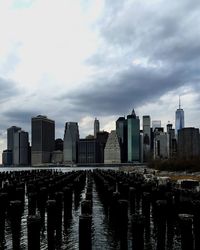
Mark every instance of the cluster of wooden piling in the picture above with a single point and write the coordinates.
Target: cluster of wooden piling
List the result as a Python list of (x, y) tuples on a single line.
[(150, 210), (49, 193)]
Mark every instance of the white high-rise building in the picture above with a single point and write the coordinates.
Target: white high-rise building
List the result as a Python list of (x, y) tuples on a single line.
[(112, 153), (70, 145)]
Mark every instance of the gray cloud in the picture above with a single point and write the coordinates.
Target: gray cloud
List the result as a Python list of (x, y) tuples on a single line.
[(165, 36), (8, 89)]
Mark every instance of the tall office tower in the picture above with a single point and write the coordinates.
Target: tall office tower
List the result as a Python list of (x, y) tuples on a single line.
[(43, 139), (179, 118), (156, 124), (21, 148), (10, 139), (188, 143), (96, 127), (112, 152), (133, 123), (172, 141), (102, 138), (146, 137), (71, 138), (121, 129)]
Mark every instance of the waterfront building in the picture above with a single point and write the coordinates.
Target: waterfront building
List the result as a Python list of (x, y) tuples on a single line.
[(43, 139), (112, 152), (133, 124), (10, 139), (156, 124), (96, 127), (146, 137), (57, 157), (71, 138), (161, 144), (7, 157), (121, 129), (102, 137), (87, 151), (179, 118), (141, 147), (21, 148), (188, 143)]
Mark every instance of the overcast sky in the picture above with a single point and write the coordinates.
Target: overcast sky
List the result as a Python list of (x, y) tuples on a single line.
[(74, 60)]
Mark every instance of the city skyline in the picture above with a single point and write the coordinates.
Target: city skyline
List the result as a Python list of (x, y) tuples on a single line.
[(76, 60)]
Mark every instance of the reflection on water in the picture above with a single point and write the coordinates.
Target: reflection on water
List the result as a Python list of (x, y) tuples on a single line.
[(104, 235)]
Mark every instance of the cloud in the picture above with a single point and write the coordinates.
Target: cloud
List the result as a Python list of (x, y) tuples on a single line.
[(8, 89)]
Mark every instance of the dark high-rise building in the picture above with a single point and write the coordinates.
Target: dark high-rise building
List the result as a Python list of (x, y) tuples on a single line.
[(121, 129), (96, 127), (43, 139), (59, 144), (179, 118), (87, 151), (21, 148), (188, 143), (102, 138), (10, 139), (146, 137), (71, 138), (7, 157), (133, 124), (172, 141)]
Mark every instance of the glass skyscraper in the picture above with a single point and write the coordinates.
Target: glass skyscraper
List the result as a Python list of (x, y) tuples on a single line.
[(179, 118), (133, 123)]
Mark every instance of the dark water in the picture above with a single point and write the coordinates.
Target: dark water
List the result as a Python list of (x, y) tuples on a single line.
[(103, 237)]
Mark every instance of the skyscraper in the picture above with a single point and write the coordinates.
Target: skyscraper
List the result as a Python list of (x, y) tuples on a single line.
[(96, 127), (133, 123), (10, 139), (71, 137), (21, 147), (43, 139), (121, 129), (188, 143), (146, 136), (179, 118), (112, 152)]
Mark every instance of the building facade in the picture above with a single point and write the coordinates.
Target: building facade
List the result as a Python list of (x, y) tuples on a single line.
[(21, 148), (70, 146), (43, 139), (179, 119), (188, 143), (146, 137), (102, 138), (133, 124), (161, 145), (112, 152), (121, 129), (87, 151), (10, 140), (96, 127)]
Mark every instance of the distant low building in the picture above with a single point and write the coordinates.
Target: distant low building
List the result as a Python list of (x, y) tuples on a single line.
[(7, 157), (112, 152), (57, 157)]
